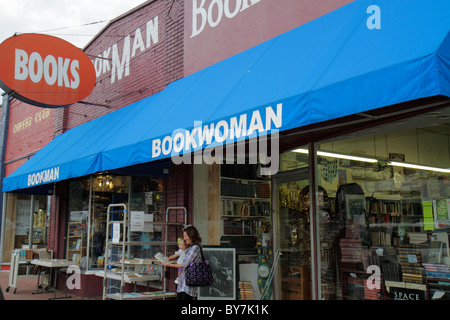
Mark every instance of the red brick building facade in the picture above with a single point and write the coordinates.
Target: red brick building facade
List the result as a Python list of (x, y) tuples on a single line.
[(136, 55), (143, 51)]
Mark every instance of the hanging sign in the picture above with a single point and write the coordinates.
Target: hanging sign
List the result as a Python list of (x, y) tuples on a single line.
[(45, 71)]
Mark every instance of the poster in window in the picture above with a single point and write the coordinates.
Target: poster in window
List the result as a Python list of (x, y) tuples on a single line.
[(355, 206), (223, 265), (441, 208)]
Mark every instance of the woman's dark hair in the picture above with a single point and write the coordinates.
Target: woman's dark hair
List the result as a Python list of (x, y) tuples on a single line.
[(193, 234)]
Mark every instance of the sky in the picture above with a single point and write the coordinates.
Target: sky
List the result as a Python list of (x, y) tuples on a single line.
[(72, 20), (76, 21)]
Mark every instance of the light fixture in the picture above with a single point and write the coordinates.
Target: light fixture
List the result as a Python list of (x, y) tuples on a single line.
[(416, 166), (301, 150), (371, 160), (338, 155), (100, 181), (344, 156)]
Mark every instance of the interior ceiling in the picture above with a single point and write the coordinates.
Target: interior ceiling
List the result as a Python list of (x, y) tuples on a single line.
[(396, 117)]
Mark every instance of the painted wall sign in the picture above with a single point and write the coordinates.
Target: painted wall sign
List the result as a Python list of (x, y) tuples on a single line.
[(213, 12), (218, 29), (117, 62), (28, 122), (45, 71)]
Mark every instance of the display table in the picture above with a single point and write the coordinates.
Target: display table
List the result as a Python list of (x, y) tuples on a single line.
[(55, 264), (142, 295), (128, 277)]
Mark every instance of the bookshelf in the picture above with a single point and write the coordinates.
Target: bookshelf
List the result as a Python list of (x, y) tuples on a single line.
[(244, 217), (385, 216), (76, 236), (245, 211), (296, 283), (121, 268)]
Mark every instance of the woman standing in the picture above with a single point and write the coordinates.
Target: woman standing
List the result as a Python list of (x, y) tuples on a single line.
[(193, 254)]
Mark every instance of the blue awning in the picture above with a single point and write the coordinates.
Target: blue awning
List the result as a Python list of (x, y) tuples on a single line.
[(334, 66)]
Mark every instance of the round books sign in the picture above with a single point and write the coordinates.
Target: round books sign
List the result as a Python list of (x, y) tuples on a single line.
[(45, 71)]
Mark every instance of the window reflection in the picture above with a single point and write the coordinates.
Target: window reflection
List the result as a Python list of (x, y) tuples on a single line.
[(390, 220)]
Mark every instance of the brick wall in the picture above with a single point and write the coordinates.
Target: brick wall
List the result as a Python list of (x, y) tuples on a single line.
[(177, 194), (150, 71), (58, 217), (178, 188), (30, 129), (154, 62), (178, 185)]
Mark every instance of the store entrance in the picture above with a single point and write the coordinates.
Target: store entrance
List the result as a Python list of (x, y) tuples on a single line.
[(292, 236)]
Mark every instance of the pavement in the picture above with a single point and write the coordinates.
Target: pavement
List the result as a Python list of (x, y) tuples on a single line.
[(27, 288)]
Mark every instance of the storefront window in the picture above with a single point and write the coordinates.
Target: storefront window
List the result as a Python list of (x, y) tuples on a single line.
[(385, 231), (26, 223), (292, 225), (78, 221), (106, 190), (86, 232), (293, 241), (147, 201), (293, 160), (40, 222)]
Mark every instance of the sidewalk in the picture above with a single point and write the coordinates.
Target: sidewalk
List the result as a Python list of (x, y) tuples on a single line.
[(26, 285)]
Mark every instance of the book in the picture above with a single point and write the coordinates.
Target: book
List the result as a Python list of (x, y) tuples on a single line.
[(435, 252), (246, 290), (350, 250), (159, 256)]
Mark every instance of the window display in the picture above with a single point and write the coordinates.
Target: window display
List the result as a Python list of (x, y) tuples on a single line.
[(26, 223), (294, 240), (88, 202), (147, 201), (388, 216), (106, 189), (77, 226)]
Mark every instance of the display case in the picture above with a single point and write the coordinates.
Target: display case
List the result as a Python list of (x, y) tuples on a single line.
[(129, 253)]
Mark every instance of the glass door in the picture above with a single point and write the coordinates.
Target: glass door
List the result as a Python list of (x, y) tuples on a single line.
[(292, 236)]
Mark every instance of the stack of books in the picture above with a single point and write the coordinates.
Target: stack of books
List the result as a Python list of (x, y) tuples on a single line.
[(417, 237), (411, 262), (413, 274), (391, 271), (437, 270), (246, 208), (350, 250), (246, 290)]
